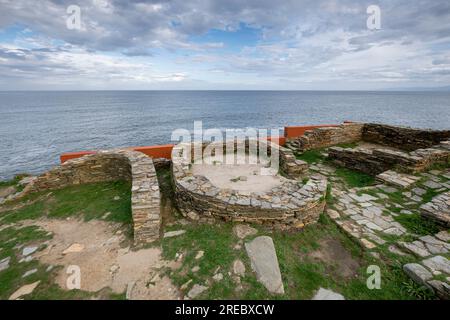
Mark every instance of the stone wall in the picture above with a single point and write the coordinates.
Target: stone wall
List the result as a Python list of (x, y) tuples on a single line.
[(291, 204), (112, 165), (375, 161), (403, 138), (326, 137)]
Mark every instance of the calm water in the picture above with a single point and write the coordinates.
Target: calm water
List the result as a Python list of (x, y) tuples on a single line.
[(35, 127)]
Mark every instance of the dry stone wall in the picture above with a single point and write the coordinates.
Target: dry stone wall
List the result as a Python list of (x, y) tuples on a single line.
[(378, 160), (403, 138), (292, 204), (326, 137), (112, 165)]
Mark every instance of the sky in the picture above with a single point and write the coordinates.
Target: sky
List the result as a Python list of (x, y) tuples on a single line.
[(223, 45)]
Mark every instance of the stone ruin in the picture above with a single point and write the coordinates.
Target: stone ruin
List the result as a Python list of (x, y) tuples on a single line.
[(291, 204), (112, 165), (381, 147)]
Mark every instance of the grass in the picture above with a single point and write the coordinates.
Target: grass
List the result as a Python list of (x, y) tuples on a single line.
[(414, 223), (311, 156), (302, 276), (349, 145), (355, 178), (92, 201)]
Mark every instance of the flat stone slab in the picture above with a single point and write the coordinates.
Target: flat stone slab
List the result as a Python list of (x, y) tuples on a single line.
[(325, 294), (438, 209), (396, 179), (264, 262), (438, 263), (24, 290), (175, 233), (418, 273), (29, 250), (4, 263), (196, 290)]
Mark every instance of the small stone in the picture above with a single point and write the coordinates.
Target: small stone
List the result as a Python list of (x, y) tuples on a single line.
[(395, 250), (106, 215), (114, 268), (74, 248), (243, 178), (242, 231), (239, 268), (196, 291), (326, 294), (199, 255), (193, 215), (29, 272), (195, 269), (4, 263), (130, 287), (171, 234), (366, 243), (333, 214), (185, 285), (443, 235), (431, 184), (218, 277), (29, 250), (116, 198), (49, 268), (24, 290), (418, 273)]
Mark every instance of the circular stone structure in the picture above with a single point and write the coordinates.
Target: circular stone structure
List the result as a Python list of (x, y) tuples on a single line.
[(251, 191)]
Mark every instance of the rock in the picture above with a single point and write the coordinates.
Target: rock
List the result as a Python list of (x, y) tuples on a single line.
[(243, 178), (333, 214), (242, 231), (395, 250), (438, 263), (26, 180), (114, 268), (431, 184), (264, 262), (74, 248), (29, 250), (418, 273), (326, 294), (416, 247), (116, 198), (363, 198), (29, 272), (7, 191), (367, 244), (24, 290), (130, 287), (441, 289), (4, 263), (199, 255), (171, 234), (195, 269), (193, 215), (218, 277), (239, 268), (49, 268), (443, 235), (196, 291), (186, 284), (106, 215)]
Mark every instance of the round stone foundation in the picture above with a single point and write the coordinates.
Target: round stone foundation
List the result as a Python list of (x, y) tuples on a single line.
[(209, 186)]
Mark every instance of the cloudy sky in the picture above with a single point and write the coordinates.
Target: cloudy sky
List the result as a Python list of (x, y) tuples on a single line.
[(228, 44)]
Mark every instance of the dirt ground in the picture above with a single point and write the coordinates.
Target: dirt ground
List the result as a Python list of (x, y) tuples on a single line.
[(243, 175), (333, 253), (105, 260)]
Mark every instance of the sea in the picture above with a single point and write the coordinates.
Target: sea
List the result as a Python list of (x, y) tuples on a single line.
[(37, 126)]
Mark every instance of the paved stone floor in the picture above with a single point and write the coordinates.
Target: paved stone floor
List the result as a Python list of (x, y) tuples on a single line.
[(373, 215)]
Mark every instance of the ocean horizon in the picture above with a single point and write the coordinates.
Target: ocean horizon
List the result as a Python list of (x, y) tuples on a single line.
[(37, 126)]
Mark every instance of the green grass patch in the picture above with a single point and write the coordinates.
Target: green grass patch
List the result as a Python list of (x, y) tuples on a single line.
[(92, 201), (349, 145), (355, 178), (416, 224), (311, 156)]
